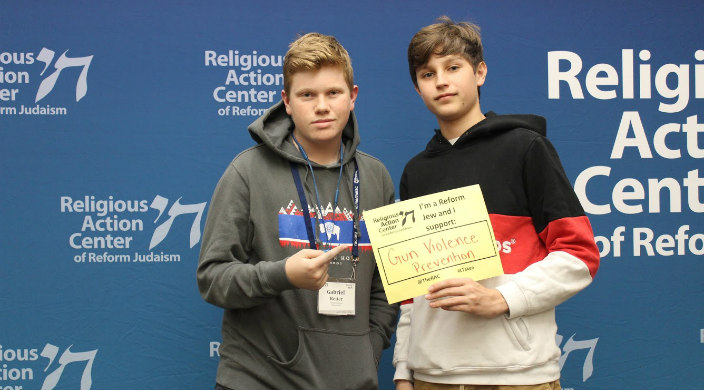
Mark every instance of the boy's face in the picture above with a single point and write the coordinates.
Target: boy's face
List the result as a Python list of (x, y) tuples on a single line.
[(449, 85), (320, 102)]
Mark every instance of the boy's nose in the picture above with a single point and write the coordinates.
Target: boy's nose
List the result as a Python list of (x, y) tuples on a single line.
[(440, 79), (321, 104)]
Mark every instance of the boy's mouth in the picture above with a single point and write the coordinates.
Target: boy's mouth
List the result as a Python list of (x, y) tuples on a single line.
[(323, 123), (444, 95)]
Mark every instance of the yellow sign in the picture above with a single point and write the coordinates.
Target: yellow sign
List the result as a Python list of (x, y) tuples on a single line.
[(440, 236)]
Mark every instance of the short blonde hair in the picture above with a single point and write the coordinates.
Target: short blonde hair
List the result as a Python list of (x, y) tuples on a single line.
[(312, 51)]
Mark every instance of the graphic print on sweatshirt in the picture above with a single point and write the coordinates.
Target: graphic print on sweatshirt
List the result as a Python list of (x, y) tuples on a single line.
[(334, 228)]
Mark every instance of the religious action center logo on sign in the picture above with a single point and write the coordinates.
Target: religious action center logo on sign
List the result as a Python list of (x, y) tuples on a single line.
[(16, 85)]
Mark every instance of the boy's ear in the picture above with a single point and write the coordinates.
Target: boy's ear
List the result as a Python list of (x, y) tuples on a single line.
[(286, 101), (353, 96), (481, 73)]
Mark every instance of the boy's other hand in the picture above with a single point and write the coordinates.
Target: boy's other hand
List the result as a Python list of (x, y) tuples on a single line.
[(308, 268), (463, 294)]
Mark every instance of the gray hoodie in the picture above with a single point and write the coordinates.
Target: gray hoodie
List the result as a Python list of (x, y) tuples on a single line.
[(272, 334)]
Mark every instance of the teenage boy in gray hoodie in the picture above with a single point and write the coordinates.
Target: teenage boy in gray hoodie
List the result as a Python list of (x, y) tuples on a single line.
[(285, 251)]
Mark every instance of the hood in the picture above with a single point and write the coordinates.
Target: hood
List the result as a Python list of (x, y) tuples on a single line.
[(492, 125), (275, 126)]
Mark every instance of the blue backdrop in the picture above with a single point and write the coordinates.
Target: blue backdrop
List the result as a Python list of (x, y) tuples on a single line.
[(118, 118)]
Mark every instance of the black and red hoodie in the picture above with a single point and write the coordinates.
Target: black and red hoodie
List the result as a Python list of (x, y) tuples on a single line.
[(547, 251)]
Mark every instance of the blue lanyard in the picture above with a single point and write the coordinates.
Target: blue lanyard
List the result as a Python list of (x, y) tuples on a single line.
[(304, 202), (315, 185), (355, 218)]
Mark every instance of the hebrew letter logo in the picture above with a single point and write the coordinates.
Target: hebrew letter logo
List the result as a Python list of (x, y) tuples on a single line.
[(573, 345), (47, 85), (176, 209), (50, 351)]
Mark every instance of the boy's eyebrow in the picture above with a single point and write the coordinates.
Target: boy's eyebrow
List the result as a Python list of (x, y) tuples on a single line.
[(443, 60), (451, 57), (327, 88), (302, 89)]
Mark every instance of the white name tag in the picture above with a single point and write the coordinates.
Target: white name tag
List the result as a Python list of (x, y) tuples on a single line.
[(336, 299)]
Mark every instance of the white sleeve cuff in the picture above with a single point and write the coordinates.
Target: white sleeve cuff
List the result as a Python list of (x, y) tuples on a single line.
[(516, 300), (402, 372)]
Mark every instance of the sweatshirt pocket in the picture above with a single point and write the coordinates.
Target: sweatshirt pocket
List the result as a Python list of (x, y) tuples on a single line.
[(329, 359), (518, 328)]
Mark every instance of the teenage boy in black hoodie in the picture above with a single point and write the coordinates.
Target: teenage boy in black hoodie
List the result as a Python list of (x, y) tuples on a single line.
[(500, 331)]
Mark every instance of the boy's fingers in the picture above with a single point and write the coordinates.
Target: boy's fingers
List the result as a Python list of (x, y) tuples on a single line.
[(435, 287), (456, 282), (329, 255), (309, 253)]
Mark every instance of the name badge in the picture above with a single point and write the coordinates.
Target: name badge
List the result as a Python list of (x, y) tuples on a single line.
[(336, 299)]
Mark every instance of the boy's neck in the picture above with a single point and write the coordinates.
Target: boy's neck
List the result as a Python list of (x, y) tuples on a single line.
[(323, 154), (454, 128), (325, 157)]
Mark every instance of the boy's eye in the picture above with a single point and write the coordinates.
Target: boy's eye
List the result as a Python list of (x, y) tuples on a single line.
[(427, 75), (454, 67)]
